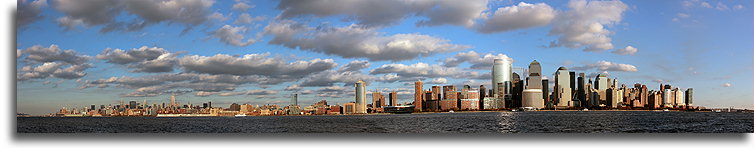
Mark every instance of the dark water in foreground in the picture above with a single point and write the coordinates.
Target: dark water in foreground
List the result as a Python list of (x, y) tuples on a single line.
[(471, 122)]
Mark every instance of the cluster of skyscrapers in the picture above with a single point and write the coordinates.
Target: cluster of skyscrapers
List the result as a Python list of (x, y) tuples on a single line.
[(570, 91), (510, 90)]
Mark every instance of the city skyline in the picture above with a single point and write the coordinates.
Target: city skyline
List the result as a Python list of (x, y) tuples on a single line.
[(263, 51)]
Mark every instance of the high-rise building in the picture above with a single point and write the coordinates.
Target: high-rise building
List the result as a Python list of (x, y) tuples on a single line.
[(93, 107), (666, 101), (679, 98), (546, 93), (501, 73), (690, 97), (172, 100), (562, 89), (378, 100), (601, 84), (234, 107), (294, 100), (482, 94), (418, 95), (132, 104), (581, 91), (517, 91), (361, 96), (393, 98), (532, 95)]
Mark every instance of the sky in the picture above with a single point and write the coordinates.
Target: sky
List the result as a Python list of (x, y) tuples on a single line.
[(73, 53)]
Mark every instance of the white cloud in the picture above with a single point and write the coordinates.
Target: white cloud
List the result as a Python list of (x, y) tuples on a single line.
[(629, 50), (738, 7), (28, 12), (705, 5), (329, 78), (607, 66), (254, 64), (104, 12), (355, 41), (683, 15), (720, 6), (241, 6), (477, 61), (294, 87), (422, 70), (519, 16), (355, 65), (233, 36), (389, 78), (439, 81), (218, 16), (143, 59), (727, 85), (583, 26), (52, 62), (246, 18), (388, 12)]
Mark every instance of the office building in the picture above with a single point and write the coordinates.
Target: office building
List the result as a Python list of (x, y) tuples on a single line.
[(418, 95), (294, 100), (378, 100), (361, 96), (393, 98), (501, 76), (689, 97), (532, 95), (601, 84)]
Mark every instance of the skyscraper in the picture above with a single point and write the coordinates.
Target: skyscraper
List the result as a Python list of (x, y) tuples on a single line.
[(482, 93), (581, 92), (294, 100), (132, 104), (418, 95), (562, 89), (361, 96), (532, 96), (601, 84), (690, 97), (172, 100), (501, 73), (393, 98)]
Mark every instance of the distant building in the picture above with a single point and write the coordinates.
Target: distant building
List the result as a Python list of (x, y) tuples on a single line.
[(294, 100), (234, 107), (532, 95), (361, 95), (393, 98), (501, 74), (349, 108), (690, 97), (601, 84), (562, 89), (418, 95)]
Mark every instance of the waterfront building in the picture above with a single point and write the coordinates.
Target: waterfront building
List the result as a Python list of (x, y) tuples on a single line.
[(611, 94), (546, 94), (349, 108), (679, 98), (532, 95), (601, 84), (393, 98), (361, 95), (581, 91), (378, 100), (470, 100), (666, 98), (562, 89), (294, 100), (418, 95), (501, 74), (517, 92), (234, 107), (482, 95), (689, 97)]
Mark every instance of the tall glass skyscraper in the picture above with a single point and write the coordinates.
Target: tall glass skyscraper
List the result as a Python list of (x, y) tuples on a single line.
[(501, 73), (361, 97)]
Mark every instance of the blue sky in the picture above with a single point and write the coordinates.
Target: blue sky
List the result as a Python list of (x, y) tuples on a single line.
[(260, 52)]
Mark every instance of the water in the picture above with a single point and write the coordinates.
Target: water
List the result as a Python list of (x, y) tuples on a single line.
[(468, 122)]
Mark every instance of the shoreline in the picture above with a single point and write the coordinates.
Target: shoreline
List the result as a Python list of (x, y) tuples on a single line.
[(206, 115)]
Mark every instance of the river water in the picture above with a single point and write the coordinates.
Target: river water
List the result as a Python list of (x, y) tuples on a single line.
[(459, 122)]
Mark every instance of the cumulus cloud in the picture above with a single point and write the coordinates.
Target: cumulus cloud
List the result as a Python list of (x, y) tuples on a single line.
[(583, 26), (354, 66), (153, 85), (52, 62), (355, 41), (218, 16), (422, 70), (294, 87), (389, 78), (241, 6), (233, 36), (523, 15), (329, 78), (28, 12), (477, 61), (629, 50), (254, 64), (104, 12), (607, 66), (246, 18), (388, 12), (256, 92), (438, 81), (727, 85), (142, 59), (334, 91)]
